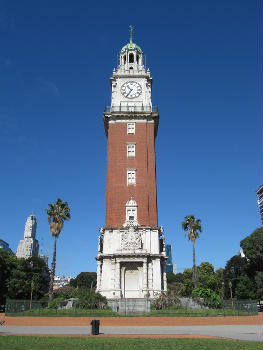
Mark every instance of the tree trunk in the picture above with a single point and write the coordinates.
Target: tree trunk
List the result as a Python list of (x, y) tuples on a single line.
[(52, 272), (195, 278)]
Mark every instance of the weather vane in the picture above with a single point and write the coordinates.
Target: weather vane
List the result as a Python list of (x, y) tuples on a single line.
[(131, 30)]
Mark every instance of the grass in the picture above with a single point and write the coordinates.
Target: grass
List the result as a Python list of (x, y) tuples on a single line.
[(66, 313), (69, 343), (171, 312), (174, 312)]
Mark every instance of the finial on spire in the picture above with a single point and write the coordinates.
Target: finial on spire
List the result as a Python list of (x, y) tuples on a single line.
[(131, 30)]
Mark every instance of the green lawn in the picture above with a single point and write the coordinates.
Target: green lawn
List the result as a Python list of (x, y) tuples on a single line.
[(173, 312), (58, 343), (67, 313)]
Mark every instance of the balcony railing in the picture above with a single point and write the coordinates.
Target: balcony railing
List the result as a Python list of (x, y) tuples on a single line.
[(112, 109)]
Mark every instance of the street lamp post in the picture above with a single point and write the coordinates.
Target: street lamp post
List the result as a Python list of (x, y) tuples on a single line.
[(31, 293), (231, 295)]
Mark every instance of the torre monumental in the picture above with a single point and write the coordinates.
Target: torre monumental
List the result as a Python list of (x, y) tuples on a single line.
[(131, 252)]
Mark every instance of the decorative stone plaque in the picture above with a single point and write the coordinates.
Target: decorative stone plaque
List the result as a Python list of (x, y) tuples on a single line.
[(131, 239)]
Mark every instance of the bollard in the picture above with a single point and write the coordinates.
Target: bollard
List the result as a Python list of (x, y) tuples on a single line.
[(95, 327)]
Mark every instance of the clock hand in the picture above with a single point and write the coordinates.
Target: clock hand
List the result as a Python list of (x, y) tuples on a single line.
[(129, 91)]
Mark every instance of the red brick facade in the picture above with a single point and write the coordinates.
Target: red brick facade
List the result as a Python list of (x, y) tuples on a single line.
[(118, 192)]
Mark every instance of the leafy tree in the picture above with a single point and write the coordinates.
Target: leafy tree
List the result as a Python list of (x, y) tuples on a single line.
[(246, 274), (7, 264), (235, 268), (21, 276), (84, 279), (211, 279), (259, 285), (171, 277), (219, 277), (187, 286), (253, 249), (245, 288), (192, 226), (174, 283), (57, 214), (208, 279), (211, 299), (206, 275), (66, 292)]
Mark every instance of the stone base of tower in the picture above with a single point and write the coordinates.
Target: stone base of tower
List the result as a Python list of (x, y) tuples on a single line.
[(131, 262)]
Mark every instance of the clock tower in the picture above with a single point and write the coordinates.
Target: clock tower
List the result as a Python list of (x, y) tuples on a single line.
[(131, 253)]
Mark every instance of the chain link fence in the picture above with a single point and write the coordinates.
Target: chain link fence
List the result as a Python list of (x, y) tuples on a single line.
[(40, 308), (20, 306), (248, 307)]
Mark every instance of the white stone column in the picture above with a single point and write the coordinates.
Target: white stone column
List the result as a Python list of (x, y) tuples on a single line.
[(164, 277), (99, 275), (118, 278), (145, 277)]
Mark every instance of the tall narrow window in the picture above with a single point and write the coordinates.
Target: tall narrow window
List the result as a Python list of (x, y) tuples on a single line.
[(130, 128), (131, 213), (131, 58), (131, 177), (130, 150)]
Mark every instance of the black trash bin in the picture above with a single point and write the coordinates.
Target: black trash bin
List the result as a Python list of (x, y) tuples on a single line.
[(95, 327)]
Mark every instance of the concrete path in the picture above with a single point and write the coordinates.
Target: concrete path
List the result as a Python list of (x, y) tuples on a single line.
[(241, 332)]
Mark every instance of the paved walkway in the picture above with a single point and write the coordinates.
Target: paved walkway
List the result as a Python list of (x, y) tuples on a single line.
[(240, 332)]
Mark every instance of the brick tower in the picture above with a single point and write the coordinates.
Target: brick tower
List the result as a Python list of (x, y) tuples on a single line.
[(131, 252)]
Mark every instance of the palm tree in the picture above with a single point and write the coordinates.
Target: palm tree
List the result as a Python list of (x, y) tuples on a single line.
[(193, 226), (57, 214)]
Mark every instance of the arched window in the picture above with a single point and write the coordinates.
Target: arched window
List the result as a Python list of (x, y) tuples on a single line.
[(124, 59), (131, 213), (137, 58), (131, 58)]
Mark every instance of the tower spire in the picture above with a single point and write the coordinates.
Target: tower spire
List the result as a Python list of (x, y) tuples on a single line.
[(131, 30)]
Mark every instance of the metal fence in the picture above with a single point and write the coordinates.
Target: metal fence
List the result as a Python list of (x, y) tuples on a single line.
[(241, 306), (130, 307), (123, 108), (20, 306)]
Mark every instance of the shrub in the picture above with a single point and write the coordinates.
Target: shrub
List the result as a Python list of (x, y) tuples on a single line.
[(90, 300), (211, 299), (66, 292), (163, 301), (87, 299), (56, 303)]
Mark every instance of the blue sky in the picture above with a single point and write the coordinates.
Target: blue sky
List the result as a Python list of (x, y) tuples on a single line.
[(56, 59)]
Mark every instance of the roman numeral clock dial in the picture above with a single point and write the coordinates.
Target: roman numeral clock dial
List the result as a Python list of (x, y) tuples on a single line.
[(131, 89)]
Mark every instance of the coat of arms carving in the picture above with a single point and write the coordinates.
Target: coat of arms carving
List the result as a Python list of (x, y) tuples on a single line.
[(131, 239)]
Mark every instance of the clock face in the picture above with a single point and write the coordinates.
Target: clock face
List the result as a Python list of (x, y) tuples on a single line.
[(131, 89)]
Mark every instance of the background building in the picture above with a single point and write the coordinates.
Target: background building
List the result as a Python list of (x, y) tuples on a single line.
[(170, 267), (44, 257), (5, 246), (28, 246), (260, 201), (61, 281)]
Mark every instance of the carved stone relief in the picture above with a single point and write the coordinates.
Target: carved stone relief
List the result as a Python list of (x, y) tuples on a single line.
[(131, 239)]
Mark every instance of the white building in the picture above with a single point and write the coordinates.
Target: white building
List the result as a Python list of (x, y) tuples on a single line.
[(61, 281), (28, 246)]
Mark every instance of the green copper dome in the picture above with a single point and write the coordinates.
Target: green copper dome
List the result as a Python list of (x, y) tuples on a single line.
[(131, 46)]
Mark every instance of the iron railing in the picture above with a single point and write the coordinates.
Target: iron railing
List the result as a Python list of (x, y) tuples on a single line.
[(112, 109)]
